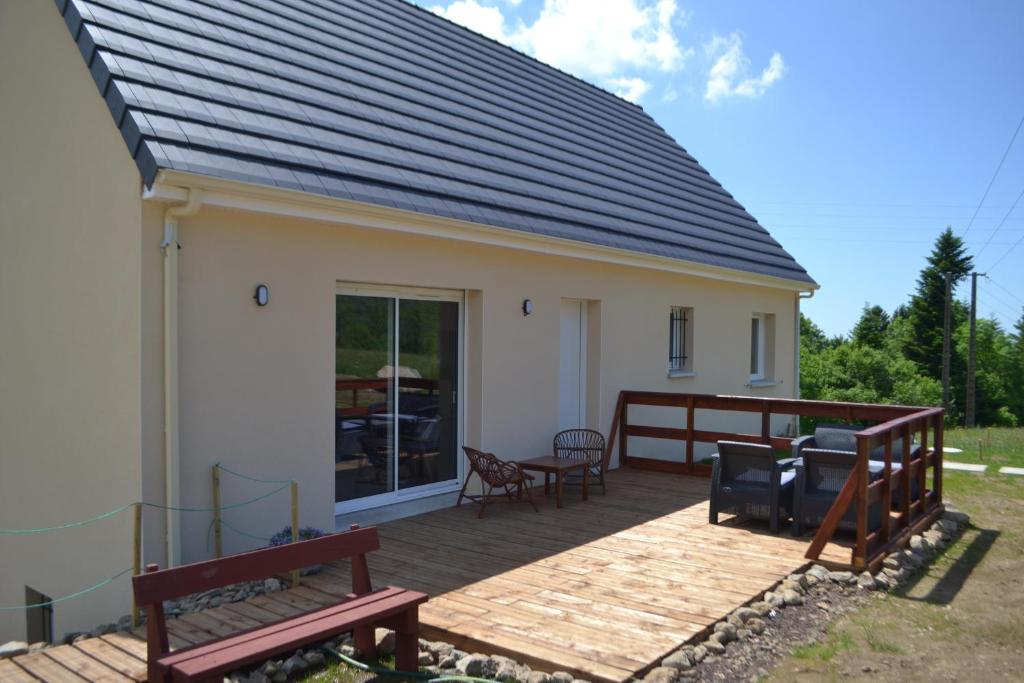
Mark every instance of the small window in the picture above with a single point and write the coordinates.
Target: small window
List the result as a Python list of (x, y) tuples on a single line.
[(680, 344), (762, 341)]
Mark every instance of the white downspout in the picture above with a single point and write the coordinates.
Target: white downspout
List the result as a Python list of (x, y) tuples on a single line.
[(796, 354), (169, 247)]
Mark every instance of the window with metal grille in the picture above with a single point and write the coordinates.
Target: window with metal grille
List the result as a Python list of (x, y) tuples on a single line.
[(679, 345)]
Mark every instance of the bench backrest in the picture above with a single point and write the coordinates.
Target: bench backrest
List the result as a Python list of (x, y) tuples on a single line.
[(155, 586)]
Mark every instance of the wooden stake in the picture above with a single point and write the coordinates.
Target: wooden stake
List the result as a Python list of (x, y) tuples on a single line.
[(217, 537), (295, 526), (136, 559)]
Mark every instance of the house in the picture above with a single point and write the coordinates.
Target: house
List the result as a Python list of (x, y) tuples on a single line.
[(301, 239)]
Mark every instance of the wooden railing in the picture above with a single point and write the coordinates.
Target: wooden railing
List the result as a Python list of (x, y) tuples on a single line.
[(894, 423)]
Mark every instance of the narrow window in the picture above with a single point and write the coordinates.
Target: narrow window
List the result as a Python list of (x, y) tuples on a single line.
[(756, 348), (680, 343), (38, 620)]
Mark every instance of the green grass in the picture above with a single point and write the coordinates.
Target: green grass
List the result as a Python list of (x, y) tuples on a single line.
[(825, 651)]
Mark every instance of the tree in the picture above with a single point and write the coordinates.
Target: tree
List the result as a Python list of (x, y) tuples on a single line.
[(927, 306), (871, 329), (812, 337)]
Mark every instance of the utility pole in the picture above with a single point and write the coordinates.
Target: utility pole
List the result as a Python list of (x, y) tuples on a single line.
[(971, 350), (946, 332)]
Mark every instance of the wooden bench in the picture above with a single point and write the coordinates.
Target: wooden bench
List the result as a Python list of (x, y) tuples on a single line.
[(361, 611)]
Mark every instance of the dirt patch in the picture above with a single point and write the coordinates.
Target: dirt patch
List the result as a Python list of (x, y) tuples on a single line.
[(796, 626)]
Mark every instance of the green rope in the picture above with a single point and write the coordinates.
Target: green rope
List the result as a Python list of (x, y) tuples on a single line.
[(80, 593), (246, 476), (265, 539), (222, 507), (69, 525), (423, 675)]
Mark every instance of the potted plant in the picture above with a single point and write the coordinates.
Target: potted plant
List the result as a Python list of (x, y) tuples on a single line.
[(284, 537)]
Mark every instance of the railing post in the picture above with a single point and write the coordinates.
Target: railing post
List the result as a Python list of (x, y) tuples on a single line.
[(905, 474), (623, 425), (136, 559), (691, 415), (886, 489), (922, 471), (860, 552), (295, 526), (940, 421), (218, 547), (766, 422)]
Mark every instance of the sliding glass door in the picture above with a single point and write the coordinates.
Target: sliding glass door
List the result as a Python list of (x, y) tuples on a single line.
[(397, 358)]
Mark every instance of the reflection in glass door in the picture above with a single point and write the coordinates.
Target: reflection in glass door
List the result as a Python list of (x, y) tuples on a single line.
[(396, 396)]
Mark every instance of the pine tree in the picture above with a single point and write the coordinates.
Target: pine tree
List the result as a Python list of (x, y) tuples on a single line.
[(871, 329), (928, 304)]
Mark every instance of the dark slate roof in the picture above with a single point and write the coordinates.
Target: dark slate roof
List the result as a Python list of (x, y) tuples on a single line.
[(382, 102)]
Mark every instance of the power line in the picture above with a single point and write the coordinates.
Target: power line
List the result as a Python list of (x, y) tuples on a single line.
[(991, 281), (998, 168), (1000, 223), (1007, 253)]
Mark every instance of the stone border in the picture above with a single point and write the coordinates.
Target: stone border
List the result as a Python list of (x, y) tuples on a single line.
[(748, 622)]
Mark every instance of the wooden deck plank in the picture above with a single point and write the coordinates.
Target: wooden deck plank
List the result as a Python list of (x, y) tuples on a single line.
[(116, 658), (82, 664), (46, 669), (12, 673)]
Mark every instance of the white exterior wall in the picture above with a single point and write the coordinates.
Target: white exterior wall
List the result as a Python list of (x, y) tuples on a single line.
[(257, 384), (70, 211)]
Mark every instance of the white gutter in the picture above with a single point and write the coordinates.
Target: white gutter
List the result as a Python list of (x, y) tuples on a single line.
[(172, 454), (796, 353)]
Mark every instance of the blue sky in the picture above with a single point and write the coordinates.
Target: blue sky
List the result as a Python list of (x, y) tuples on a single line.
[(855, 132)]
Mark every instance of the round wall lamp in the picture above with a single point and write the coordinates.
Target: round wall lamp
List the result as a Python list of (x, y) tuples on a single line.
[(527, 307), (262, 295)]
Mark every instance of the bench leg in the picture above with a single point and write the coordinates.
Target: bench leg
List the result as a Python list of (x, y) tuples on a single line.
[(366, 643), (407, 634)]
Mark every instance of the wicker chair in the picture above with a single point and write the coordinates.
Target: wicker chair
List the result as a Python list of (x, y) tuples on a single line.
[(582, 444), (747, 480), (509, 477), (820, 476), (840, 438)]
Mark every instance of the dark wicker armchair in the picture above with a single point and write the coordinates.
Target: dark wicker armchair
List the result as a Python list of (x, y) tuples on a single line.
[(513, 483), (582, 444), (841, 438), (820, 476), (747, 479)]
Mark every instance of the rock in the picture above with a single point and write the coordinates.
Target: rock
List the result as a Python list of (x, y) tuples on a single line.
[(791, 597), (257, 677), (315, 658), (961, 519), (294, 665), (507, 672), (724, 632), (842, 577), (699, 653), (882, 582), (746, 614), (36, 647), (909, 559), (761, 607), (895, 576), (348, 650), (425, 658), (385, 640), (662, 674), (480, 666), (270, 668), (757, 626), (920, 545), (818, 572), (800, 579), (279, 677), (271, 585), (678, 660), (935, 539), (948, 526), (891, 561), (794, 586), (712, 646), (439, 649), (774, 600), (13, 648), (562, 677), (539, 677), (743, 633), (448, 661), (735, 620), (866, 581)]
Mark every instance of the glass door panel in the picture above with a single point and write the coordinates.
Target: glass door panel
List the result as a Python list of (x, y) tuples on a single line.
[(364, 397), (427, 384)]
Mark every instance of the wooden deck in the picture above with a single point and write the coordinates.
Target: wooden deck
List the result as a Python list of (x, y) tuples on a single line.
[(602, 589)]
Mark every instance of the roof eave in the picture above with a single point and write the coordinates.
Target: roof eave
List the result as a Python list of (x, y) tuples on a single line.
[(173, 186)]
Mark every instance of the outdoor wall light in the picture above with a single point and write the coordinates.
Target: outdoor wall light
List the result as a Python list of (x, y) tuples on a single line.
[(262, 295), (527, 306)]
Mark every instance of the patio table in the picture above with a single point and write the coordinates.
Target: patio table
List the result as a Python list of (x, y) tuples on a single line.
[(558, 466)]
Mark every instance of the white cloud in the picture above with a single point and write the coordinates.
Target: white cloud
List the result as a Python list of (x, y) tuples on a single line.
[(670, 95), (484, 19), (729, 75), (631, 89), (600, 41)]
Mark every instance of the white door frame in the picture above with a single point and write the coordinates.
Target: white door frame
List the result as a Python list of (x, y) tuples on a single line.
[(449, 486), (583, 360)]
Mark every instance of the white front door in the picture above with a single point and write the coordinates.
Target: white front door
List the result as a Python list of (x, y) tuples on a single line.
[(572, 395)]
